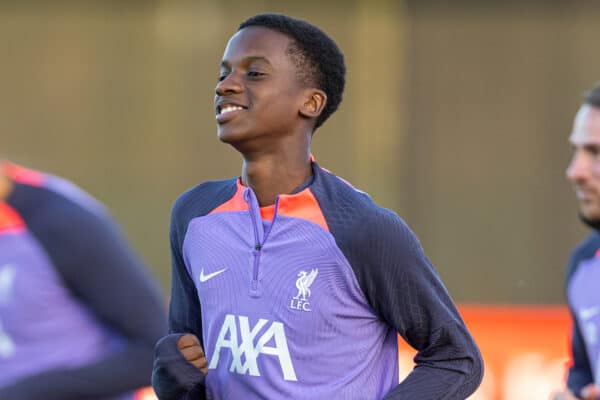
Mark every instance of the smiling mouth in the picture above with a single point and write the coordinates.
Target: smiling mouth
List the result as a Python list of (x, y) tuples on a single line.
[(584, 194), (228, 108)]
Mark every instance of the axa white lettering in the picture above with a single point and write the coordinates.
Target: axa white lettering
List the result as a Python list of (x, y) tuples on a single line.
[(228, 339)]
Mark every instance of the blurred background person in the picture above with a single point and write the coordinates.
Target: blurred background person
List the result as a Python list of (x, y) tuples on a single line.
[(79, 314), (583, 273)]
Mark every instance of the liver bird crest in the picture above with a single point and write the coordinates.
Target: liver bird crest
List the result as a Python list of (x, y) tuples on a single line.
[(303, 283)]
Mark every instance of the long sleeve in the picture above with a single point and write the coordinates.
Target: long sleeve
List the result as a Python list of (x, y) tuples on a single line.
[(173, 378), (579, 374), (404, 289), (407, 292)]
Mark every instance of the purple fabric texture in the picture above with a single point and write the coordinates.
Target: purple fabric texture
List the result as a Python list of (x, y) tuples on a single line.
[(334, 326)]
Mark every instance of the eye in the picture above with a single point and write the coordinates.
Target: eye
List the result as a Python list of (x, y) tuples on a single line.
[(593, 150), (223, 73), (255, 74)]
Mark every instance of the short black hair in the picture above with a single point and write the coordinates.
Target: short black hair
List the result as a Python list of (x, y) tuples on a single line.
[(317, 57), (592, 96)]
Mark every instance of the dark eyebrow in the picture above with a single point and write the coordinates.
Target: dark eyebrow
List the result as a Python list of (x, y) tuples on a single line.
[(247, 60), (257, 58)]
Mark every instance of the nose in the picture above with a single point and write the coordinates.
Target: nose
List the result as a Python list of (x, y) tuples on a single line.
[(228, 85), (577, 169)]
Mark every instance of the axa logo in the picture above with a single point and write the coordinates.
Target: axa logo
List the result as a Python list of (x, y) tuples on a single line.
[(247, 343), (303, 284)]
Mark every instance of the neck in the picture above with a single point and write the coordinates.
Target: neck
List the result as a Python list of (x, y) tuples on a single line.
[(274, 174)]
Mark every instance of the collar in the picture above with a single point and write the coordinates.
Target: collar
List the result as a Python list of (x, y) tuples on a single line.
[(301, 203)]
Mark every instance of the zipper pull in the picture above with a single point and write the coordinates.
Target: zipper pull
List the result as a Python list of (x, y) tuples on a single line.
[(258, 247)]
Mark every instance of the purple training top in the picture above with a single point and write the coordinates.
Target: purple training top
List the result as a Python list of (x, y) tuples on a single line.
[(304, 299), (584, 303)]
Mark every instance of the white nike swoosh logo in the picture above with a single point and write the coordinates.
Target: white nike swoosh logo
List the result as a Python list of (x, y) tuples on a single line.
[(204, 278), (589, 312)]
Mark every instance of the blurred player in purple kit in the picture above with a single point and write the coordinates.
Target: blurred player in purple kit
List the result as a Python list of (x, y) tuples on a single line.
[(79, 314), (295, 283), (583, 273)]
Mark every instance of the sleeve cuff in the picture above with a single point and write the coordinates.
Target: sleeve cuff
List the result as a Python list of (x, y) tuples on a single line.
[(169, 357)]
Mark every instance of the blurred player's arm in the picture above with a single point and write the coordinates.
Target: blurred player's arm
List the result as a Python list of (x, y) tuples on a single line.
[(405, 290), (96, 264), (579, 374), (175, 376)]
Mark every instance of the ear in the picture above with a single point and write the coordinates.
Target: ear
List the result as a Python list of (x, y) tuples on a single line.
[(314, 103)]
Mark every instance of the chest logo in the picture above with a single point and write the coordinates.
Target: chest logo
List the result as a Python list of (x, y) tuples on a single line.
[(204, 278), (303, 284), (241, 343)]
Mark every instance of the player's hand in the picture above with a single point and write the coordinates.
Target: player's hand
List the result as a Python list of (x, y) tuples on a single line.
[(590, 392), (189, 346)]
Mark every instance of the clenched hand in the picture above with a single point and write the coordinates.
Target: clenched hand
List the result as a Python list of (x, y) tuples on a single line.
[(189, 346)]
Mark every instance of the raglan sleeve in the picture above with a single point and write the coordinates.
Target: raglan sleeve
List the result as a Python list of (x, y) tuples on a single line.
[(102, 272), (173, 377), (405, 290)]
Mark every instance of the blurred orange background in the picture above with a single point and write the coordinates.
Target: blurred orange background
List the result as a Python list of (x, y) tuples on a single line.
[(525, 350)]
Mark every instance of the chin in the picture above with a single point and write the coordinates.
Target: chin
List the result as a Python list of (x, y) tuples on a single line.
[(228, 135), (241, 139)]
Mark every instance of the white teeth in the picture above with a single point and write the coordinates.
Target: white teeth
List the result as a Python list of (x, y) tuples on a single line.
[(229, 108)]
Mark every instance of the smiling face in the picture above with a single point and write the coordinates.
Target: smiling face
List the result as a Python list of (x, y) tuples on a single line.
[(584, 168), (258, 97)]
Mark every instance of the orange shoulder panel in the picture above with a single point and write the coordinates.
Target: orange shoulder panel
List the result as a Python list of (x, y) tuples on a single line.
[(236, 203), (302, 205), (10, 220), (23, 175)]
